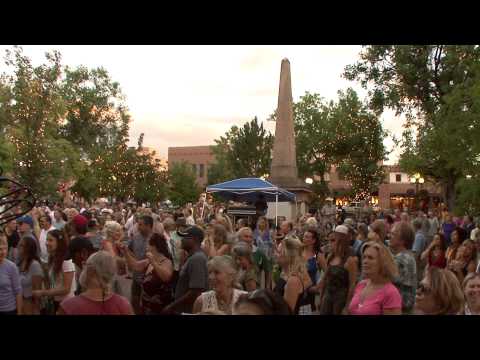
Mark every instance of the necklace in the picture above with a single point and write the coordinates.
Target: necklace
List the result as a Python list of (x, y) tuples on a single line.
[(224, 305)]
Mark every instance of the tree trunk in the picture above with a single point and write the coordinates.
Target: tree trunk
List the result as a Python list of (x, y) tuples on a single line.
[(450, 194)]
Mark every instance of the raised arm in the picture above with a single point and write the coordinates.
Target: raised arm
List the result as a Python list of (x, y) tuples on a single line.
[(132, 262)]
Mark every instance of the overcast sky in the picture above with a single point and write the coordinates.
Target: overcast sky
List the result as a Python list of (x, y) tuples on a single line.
[(191, 95)]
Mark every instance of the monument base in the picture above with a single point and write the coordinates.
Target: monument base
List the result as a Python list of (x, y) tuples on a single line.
[(286, 210), (290, 211)]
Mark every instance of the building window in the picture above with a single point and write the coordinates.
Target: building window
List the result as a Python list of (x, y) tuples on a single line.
[(398, 178), (194, 169), (202, 170)]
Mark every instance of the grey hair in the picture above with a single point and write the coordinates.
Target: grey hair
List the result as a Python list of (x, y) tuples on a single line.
[(242, 230), (223, 263), (105, 267), (241, 249)]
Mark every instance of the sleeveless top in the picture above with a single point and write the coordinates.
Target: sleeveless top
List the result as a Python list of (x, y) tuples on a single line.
[(337, 283), (209, 301), (156, 293), (312, 269), (305, 301), (81, 305)]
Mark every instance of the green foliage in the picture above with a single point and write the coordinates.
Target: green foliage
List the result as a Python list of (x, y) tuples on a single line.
[(183, 186), (242, 152), (96, 115), (219, 171), (343, 133), (32, 108), (59, 124), (436, 87), (468, 201)]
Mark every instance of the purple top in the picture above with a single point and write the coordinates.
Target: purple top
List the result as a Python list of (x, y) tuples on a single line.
[(9, 286)]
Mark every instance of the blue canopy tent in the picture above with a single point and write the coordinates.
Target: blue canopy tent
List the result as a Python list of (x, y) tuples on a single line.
[(250, 189)]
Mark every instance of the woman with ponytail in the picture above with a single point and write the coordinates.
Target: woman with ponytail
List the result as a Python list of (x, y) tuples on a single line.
[(98, 298)]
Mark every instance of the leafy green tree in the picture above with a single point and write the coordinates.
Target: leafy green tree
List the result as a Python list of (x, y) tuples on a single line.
[(436, 87), (242, 152), (96, 113), (344, 134), (150, 177), (182, 184), (32, 108), (220, 170)]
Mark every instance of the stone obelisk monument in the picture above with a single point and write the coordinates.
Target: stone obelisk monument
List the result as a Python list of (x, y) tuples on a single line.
[(284, 172)]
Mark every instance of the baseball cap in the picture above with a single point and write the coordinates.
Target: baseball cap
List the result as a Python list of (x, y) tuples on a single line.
[(192, 231), (27, 219), (77, 244), (342, 229)]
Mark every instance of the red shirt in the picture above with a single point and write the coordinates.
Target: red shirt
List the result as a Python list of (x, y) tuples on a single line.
[(81, 305), (440, 261)]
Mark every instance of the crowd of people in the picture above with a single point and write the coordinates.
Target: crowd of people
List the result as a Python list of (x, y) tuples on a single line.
[(126, 260)]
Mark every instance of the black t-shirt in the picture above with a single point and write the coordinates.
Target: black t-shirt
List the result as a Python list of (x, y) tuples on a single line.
[(13, 239), (193, 275)]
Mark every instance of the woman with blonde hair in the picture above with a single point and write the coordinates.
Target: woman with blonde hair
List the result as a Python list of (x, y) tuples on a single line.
[(225, 221), (113, 236), (376, 295), (216, 242), (439, 293), (465, 261), (294, 279), (471, 289), (222, 276)]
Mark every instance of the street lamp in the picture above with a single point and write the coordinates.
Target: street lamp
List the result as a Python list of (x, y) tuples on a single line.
[(309, 181), (417, 179)]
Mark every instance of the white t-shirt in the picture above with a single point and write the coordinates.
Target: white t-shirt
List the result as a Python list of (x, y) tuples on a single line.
[(67, 267), (43, 244), (129, 224), (473, 234)]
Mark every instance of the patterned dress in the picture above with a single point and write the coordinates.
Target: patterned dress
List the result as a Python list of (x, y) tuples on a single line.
[(210, 303)]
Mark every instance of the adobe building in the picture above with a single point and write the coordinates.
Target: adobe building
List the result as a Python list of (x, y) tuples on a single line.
[(199, 157), (397, 192)]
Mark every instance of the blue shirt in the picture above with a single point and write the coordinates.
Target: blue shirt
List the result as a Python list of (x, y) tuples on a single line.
[(447, 230), (419, 244), (10, 286), (138, 245)]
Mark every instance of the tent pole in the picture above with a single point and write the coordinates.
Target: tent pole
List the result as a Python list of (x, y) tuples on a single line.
[(276, 210)]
